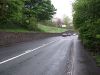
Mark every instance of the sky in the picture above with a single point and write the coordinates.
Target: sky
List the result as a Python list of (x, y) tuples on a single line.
[(64, 7)]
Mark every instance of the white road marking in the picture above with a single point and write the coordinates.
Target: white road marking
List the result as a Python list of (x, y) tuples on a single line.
[(26, 52), (72, 60), (72, 66)]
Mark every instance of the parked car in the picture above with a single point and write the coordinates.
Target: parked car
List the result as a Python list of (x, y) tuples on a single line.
[(65, 34), (69, 34)]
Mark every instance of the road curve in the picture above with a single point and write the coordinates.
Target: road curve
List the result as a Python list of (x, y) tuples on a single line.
[(47, 57), (51, 56)]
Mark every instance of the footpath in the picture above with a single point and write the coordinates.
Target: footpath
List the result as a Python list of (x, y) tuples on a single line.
[(83, 63)]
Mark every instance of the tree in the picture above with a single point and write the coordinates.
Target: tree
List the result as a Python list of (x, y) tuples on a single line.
[(14, 12), (3, 9), (44, 11), (40, 10), (87, 21), (25, 12), (66, 21)]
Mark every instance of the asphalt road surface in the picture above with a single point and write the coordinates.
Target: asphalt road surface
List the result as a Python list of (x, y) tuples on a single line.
[(51, 56)]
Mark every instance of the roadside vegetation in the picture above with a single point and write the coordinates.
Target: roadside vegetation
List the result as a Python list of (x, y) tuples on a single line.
[(87, 21), (51, 29), (14, 30), (41, 28), (24, 15), (97, 57)]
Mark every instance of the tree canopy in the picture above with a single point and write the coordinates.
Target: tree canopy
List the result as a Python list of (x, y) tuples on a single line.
[(87, 21), (25, 11)]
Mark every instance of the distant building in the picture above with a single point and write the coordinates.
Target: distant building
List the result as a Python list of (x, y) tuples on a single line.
[(63, 26)]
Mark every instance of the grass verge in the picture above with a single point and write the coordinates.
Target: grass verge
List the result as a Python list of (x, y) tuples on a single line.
[(41, 28), (14, 30), (51, 29), (97, 57)]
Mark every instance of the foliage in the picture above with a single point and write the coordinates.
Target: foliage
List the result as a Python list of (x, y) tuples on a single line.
[(67, 22), (15, 30), (48, 23), (33, 24), (97, 57), (51, 29), (87, 21), (25, 12), (45, 10)]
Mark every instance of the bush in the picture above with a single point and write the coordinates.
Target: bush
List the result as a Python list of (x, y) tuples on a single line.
[(31, 24), (87, 21)]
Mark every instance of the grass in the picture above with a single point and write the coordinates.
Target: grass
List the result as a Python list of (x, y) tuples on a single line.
[(51, 29), (98, 36), (10, 27), (14, 30), (97, 57), (41, 28)]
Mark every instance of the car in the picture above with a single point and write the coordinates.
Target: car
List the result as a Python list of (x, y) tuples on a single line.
[(64, 34), (69, 34)]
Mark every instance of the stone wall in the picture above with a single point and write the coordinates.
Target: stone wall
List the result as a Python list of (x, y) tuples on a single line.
[(8, 38)]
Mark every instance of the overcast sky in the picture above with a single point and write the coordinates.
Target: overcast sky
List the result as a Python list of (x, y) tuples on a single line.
[(64, 7)]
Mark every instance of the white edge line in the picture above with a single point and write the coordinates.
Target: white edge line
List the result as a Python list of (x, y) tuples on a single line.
[(73, 60), (26, 52), (72, 66)]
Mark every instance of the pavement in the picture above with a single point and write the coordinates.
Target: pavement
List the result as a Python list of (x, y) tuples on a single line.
[(83, 63), (50, 56)]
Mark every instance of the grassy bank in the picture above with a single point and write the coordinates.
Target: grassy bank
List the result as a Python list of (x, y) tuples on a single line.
[(50, 29), (11, 27), (41, 28), (14, 30)]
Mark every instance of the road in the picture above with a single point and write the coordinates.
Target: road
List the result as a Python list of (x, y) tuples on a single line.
[(51, 56)]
